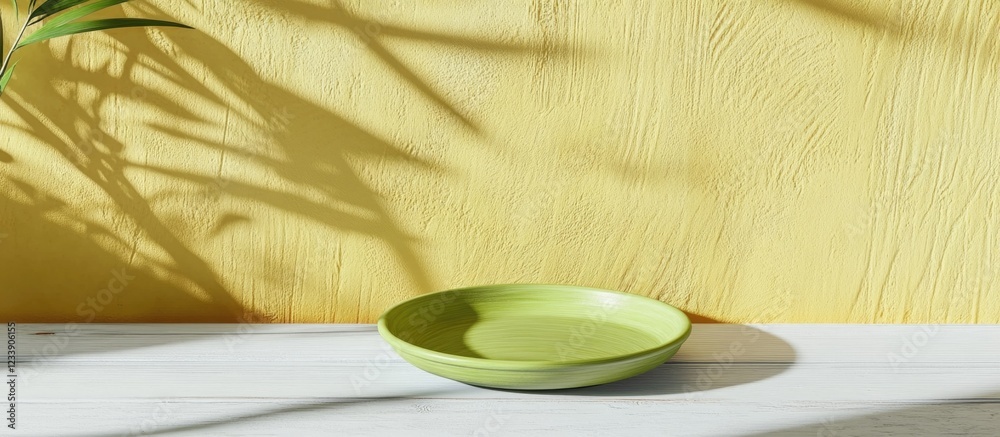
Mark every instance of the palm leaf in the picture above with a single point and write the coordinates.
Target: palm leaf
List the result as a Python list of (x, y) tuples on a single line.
[(53, 7), (17, 13), (79, 13), (95, 25), (6, 77)]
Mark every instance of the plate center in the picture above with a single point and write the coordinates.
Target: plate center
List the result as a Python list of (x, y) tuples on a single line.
[(536, 338)]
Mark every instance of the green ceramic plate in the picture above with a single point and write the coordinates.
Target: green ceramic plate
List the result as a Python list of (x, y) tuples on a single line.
[(534, 337)]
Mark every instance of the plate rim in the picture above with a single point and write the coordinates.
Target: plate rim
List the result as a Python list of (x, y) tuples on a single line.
[(400, 345)]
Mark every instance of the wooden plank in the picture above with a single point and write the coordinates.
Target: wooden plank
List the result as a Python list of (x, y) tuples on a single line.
[(760, 343), (511, 417), (671, 382), (343, 380)]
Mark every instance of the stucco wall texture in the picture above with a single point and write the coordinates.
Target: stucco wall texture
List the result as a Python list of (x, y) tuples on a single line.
[(319, 161)]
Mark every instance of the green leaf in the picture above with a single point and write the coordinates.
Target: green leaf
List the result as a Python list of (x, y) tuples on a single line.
[(53, 7), (17, 13), (95, 25), (79, 13), (6, 77)]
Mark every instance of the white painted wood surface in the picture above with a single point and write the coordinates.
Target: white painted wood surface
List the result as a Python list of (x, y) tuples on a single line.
[(342, 380)]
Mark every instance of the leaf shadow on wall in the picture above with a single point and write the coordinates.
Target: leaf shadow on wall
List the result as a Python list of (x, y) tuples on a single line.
[(36, 290), (370, 33), (284, 141), (71, 127), (854, 14), (961, 33), (314, 147)]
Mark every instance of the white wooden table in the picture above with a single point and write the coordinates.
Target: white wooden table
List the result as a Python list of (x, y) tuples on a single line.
[(342, 380)]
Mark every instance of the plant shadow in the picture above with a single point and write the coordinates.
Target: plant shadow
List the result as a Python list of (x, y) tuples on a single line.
[(107, 284), (855, 14), (312, 154), (326, 405)]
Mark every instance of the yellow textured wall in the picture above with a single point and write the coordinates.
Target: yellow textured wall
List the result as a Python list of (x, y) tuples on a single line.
[(318, 161)]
